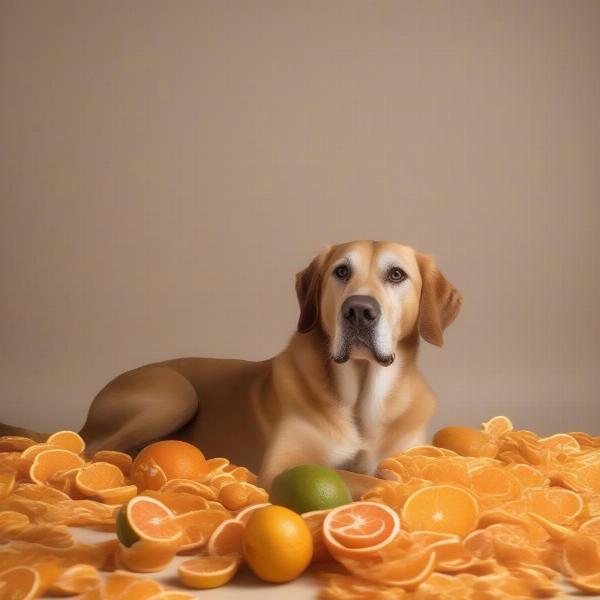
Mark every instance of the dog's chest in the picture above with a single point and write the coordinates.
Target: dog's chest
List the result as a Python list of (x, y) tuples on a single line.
[(364, 389)]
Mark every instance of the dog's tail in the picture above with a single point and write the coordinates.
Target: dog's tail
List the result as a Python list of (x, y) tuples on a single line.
[(19, 431)]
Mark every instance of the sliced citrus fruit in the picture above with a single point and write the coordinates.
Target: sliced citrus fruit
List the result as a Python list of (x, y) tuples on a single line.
[(581, 555), (46, 464), (245, 513), (146, 556), (239, 494), (7, 484), (172, 595), (227, 538), (497, 426), (76, 580), (206, 572), (196, 527), (360, 528), (68, 440), (17, 443), (589, 584), (189, 486), (591, 527), (119, 459), (442, 508), (98, 476), (179, 502), (118, 495), (314, 519), (148, 519), (555, 504), (22, 583), (465, 441)]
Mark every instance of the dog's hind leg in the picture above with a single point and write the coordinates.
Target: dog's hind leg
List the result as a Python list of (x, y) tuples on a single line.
[(138, 407)]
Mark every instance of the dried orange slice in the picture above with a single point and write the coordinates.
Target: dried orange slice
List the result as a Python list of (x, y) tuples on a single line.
[(7, 484), (206, 572), (22, 583), (48, 462), (196, 527), (119, 459), (145, 518), (227, 538), (98, 476), (76, 580), (360, 528), (442, 508), (68, 440)]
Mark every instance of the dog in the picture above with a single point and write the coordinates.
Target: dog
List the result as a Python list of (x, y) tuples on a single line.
[(345, 392)]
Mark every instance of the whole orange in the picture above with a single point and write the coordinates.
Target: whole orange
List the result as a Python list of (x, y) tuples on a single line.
[(170, 459)]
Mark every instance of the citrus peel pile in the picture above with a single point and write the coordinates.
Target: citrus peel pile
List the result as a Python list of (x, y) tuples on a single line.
[(511, 516)]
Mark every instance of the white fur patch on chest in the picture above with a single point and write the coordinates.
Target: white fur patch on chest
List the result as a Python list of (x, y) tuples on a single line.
[(363, 388)]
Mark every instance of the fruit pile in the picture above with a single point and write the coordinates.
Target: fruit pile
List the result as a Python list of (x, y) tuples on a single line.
[(490, 513)]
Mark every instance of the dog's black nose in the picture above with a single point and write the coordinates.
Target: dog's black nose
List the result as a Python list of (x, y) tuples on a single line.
[(361, 311)]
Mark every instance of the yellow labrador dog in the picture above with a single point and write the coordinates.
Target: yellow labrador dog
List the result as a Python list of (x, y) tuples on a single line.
[(345, 392)]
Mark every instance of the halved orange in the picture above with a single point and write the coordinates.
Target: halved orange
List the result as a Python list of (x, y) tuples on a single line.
[(48, 462), (20, 583), (443, 508), (205, 572), (148, 519), (227, 538), (68, 440), (360, 528), (98, 476)]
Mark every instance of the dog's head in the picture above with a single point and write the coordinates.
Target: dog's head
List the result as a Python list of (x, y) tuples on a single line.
[(369, 296)]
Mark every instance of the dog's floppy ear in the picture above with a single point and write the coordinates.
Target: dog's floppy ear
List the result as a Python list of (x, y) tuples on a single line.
[(308, 290), (440, 301)]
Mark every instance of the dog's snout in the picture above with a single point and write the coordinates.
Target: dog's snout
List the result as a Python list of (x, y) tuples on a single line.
[(361, 311)]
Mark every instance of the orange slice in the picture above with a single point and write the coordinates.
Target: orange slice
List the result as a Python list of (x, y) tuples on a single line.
[(179, 502), (590, 527), (7, 484), (14, 443), (497, 426), (555, 504), (227, 538), (206, 572), (442, 508), (581, 555), (20, 583), (245, 513), (239, 494), (119, 459), (118, 495), (147, 519), (99, 476), (68, 440), (314, 519), (589, 585), (189, 486), (48, 462), (146, 556), (360, 528), (76, 580), (496, 482), (196, 527), (172, 595)]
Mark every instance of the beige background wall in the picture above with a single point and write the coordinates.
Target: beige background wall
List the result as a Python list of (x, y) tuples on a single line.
[(167, 167)]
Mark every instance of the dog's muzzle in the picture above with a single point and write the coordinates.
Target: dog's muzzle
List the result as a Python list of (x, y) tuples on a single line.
[(360, 315)]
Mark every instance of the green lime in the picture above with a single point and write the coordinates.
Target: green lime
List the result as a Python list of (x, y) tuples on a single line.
[(309, 487)]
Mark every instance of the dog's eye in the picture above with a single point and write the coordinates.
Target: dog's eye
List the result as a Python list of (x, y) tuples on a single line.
[(396, 275), (342, 272)]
